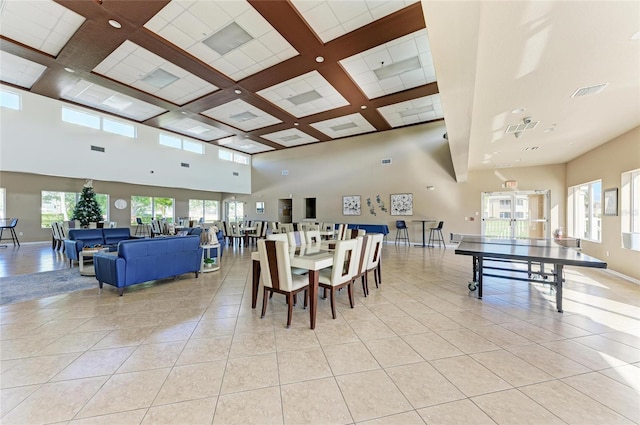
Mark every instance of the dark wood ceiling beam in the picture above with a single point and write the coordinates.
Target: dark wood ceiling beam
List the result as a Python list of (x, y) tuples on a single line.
[(403, 96)]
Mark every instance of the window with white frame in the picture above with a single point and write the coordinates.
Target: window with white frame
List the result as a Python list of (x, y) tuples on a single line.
[(59, 206), (10, 100), (3, 202), (180, 143), (225, 155), (95, 121), (584, 211), (119, 127), (207, 210), (147, 208), (240, 159), (630, 209)]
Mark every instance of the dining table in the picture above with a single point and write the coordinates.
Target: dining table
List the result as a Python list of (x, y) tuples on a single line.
[(313, 257)]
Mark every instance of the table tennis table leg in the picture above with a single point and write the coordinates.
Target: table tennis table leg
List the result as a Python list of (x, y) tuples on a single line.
[(558, 281), (479, 277)]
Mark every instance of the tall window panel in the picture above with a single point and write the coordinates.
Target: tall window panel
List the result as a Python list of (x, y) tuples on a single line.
[(630, 209), (59, 206), (585, 211), (147, 208), (3, 202), (206, 210)]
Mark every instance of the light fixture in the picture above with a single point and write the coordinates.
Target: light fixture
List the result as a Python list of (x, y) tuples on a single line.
[(431, 187), (363, 107), (115, 23), (237, 91), (70, 70), (296, 124), (319, 59), (518, 111)]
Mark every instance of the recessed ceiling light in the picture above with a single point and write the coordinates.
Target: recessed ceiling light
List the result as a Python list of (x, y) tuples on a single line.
[(227, 39), (237, 91), (319, 59), (363, 107), (296, 124), (70, 70), (115, 23), (518, 111), (636, 36)]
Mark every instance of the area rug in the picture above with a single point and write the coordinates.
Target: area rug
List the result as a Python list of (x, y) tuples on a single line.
[(26, 287)]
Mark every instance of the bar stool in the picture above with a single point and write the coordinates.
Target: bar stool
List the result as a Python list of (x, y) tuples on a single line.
[(435, 234), (402, 234)]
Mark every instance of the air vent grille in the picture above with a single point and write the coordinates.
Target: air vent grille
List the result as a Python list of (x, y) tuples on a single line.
[(235, 173), (285, 172), (585, 91), (385, 161), (515, 128), (184, 164), (97, 148)]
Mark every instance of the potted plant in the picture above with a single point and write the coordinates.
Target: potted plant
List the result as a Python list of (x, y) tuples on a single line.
[(209, 262)]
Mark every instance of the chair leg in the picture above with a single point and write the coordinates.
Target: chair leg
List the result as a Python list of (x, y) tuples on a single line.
[(265, 300), (364, 285), (306, 299), (333, 302), (290, 310), (350, 292)]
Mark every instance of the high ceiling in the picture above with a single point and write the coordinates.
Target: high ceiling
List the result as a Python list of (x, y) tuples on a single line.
[(253, 76), (260, 75)]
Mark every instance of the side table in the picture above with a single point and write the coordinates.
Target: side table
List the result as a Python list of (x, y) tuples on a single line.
[(206, 253), (88, 253)]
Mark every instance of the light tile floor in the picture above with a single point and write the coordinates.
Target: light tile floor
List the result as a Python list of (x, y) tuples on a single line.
[(421, 349)]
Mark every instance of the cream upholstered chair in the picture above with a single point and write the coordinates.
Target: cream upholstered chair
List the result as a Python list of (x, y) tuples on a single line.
[(342, 272), (375, 253), (296, 238), (276, 275), (286, 227), (363, 262), (274, 227), (58, 233), (312, 236), (235, 234), (284, 237)]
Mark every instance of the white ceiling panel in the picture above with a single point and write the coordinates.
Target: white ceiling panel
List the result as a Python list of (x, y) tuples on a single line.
[(44, 25), (331, 19), (290, 137), (135, 66), (102, 98), (399, 65), (348, 125), (304, 95), (244, 145), (414, 111), (19, 71), (195, 129), (230, 36), (242, 115)]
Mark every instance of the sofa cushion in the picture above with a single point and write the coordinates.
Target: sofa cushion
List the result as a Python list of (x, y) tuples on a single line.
[(90, 237), (115, 235)]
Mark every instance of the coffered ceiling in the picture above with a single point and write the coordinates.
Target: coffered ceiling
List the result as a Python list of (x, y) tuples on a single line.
[(263, 75), (253, 76)]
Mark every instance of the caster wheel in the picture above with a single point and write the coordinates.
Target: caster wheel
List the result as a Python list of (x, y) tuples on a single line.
[(471, 286)]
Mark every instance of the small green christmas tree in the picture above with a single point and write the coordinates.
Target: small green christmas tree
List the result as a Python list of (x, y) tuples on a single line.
[(87, 209)]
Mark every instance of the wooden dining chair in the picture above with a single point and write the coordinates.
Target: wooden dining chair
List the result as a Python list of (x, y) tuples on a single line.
[(342, 272), (312, 236), (374, 264), (276, 275)]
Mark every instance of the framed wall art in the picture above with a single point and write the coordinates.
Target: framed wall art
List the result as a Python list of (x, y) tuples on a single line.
[(611, 201), (402, 204), (351, 205)]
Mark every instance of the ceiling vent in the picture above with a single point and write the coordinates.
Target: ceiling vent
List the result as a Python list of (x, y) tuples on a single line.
[(532, 148), (416, 111), (342, 127), (397, 68), (227, 39), (307, 97), (385, 161), (97, 148), (285, 172), (235, 173), (159, 78), (184, 164), (585, 91), (244, 116), (290, 138), (519, 128)]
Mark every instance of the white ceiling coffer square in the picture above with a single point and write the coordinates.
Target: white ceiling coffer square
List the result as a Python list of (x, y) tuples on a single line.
[(193, 128), (104, 99), (230, 36), (138, 67), (422, 109), (290, 137), (331, 19), (242, 115), (392, 67), (304, 95), (348, 125), (44, 25), (244, 145), (19, 71)]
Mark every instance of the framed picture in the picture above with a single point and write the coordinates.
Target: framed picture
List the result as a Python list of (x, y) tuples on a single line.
[(402, 204), (611, 201), (351, 205)]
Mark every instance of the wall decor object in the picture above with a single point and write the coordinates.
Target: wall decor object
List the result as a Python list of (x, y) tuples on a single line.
[(611, 201), (402, 204), (381, 203), (351, 205), (372, 210)]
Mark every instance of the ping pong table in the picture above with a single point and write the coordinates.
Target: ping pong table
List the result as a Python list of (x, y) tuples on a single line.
[(489, 254)]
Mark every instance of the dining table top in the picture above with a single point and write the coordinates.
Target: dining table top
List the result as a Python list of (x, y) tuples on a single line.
[(311, 257)]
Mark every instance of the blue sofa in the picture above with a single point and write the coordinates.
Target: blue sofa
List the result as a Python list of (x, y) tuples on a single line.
[(143, 260), (80, 238)]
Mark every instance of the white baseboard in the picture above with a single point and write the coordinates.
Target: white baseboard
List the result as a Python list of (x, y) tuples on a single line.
[(623, 276)]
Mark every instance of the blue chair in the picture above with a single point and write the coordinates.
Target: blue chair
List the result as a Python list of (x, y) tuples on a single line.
[(402, 233)]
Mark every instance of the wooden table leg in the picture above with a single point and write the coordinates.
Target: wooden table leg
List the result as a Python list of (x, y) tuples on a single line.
[(313, 296), (255, 283)]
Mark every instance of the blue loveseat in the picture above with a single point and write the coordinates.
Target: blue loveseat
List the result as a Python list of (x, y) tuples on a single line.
[(143, 260), (107, 238)]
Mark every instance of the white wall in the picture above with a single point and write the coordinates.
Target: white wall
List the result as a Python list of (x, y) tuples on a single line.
[(36, 140)]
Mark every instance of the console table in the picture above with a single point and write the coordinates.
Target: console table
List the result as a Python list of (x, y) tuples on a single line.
[(206, 253)]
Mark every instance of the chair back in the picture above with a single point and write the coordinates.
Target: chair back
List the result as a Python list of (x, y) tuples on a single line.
[(401, 224), (113, 224), (342, 232), (344, 261), (312, 236), (440, 225), (275, 264), (296, 238), (55, 231), (274, 227), (138, 221), (278, 237), (286, 227), (365, 252), (329, 227), (375, 251), (263, 233)]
